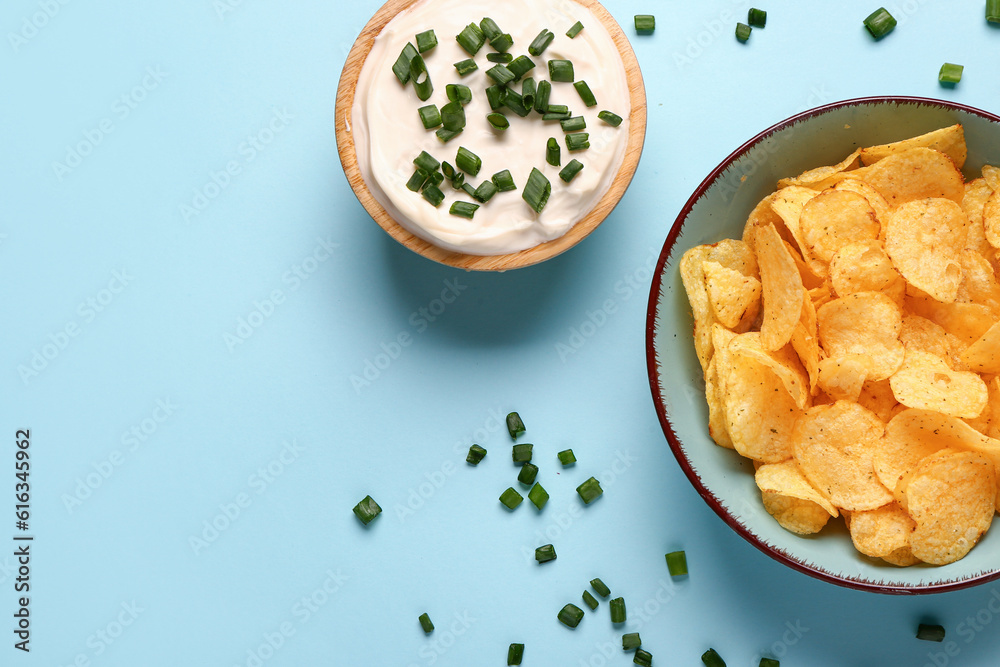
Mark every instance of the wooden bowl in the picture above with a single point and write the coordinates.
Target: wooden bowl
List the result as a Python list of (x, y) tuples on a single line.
[(348, 153)]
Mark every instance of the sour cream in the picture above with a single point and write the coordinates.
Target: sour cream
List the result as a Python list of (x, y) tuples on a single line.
[(388, 132)]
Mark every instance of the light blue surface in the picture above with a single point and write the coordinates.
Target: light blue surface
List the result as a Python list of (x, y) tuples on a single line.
[(154, 353)]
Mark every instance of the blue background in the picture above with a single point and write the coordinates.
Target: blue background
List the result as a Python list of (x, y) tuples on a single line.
[(195, 383)]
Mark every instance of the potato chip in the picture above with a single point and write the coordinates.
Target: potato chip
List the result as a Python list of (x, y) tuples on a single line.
[(983, 356), (787, 479), (991, 175), (924, 239), (759, 411), (877, 397), (977, 193), (979, 282), (715, 386), (782, 289), (805, 342), (822, 177), (833, 219), (788, 204), (761, 216), (803, 517), (881, 531), (948, 140), (863, 323), (783, 362), (966, 321), (917, 173), (874, 198), (864, 267), (951, 498), (843, 377), (909, 438), (733, 297), (834, 446), (925, 381), (919, 333), (991, 219), (903, 557)]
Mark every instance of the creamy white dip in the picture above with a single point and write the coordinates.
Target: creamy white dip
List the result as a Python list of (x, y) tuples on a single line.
[(388, 132)]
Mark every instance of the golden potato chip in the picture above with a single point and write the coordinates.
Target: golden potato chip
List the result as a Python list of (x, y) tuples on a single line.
[(834, 446), (993, 428), (991, 175), (979, 282), (715, 386), (903, 557), (881, 531), (977, 193), (863, 323), (983, 356), (864, 267), (761, 216), (991, 219), (966, 321), (821, 177), (831, 220), (917, 173), (782, 289), (805, 342), (910, 437), (786, 479), (951, 498), (803, 517), (924, 239), (877, 397), (734, 297), (843, 377), (820, 295), (925, 381), (783, 362), (874, 198), (759, 411), (948, 140), (810, 280), (788, 204), (919, 333)]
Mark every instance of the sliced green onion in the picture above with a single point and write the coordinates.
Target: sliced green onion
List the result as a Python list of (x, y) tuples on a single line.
[(468, 161), (453, 116), (567, 457), (993, 11), (496, 95), (502, 42), (447, 135), (367, 510), (466, 66), (514, 424), (585, 93), (545, 553), (435, 178), (555, 115), (561, 70), (529, 470), (541, 42), (430, 116), (558, 109), (712, 659), (502, 58), (950, 73), (537, 190), (542, 93), (513, 101), (574, 30), (612, 119), (483, 194), (577, 141), (504, 181), (642, 657), (520, 66), (757, 17), (768, 662), (677, 563), (476, 454), (645, 23), (528, 89), (552, 152), (417, 180), (458, 180), (421, 78), (426, 162), (510, 498), (458, 93), (538, 496), (930, 633), (589, 491), (600, 587), (590, 600), (515, 652), (498, 121), (426, 41), (630, 641), (489, 28), (569, 172), (401, 68), (743, 31), (573, 124), (463, 209), (471, 39), (617, 610), (570, 615), (433, 194), (880, 23), (468, 189), (521, 453), (425, 623), (447, 170), (500, 74)]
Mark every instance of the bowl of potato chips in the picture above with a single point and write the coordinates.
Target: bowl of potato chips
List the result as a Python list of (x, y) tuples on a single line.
[(823, 343)]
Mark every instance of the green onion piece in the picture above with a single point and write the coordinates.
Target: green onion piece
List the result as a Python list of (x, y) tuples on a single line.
[(561, 70), (500, 74), (573, 124), (417, 180), (489, 28), (425, 623), (768, 662), (521, 453), (585, 94), (542, 93), (712, 659), (569, 172), (513, 101), (537, 190), (502, 58), (471, 39), (401, 68), (426, 162), (880, 23), (545, 553), (496, 95), (570, 615), (567, 457), (367, 510), (993, 11), (558, 109), (577, 141), (630, 641), (642, 657), (757, 17), (458, 180), (645, 23), (541, 42), (447, 170), (743, 32), (515, 652), (504, 181), (528, 470), (483, 194), (453, 116), (510, 498), (514, 424), (468, 189), (538, 496), (555, 115), (430, 116), (574, 30), (463, 209), (502, 42), (617, 610), (433, 194), (552, 152), (447, 135), (458, 93), (466, 66), (677, 563), (520, 66), (421, 78), (612, 119), (468, 161), (498, 121), (930, 633), (435, 178), (600, 587), (590, 600), (476, 454), (589, 491), (950, 73), (426, 41), (528, 89)]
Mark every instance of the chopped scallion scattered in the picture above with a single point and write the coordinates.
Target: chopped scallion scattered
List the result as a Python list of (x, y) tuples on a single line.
[(489, 28), (589, 491), (528, 90), (561, 70), (529, 470), (417, 180), (504, 181), (559, 109), (447, 170), (570, 615), (468, 161), (950, 73), (453, 116), (642, 657), (426, 41), (573, 124), (567, 457), (425, 623), (471, 39), (401, 68), (458, 93), (743, 31), (458, 180), (538, 496), (537, 190), (446, 135), (577, 141), (433, 194), (880, 23), (590, 600), (476, 454), (498, 121), (510, 498), (435, 178), (496, 95), (515, 426), (421, 78), (515, 653), (645, 23), (569, 172), (466, 66), (430, 116), (426, 161), (711, 658), (617, 610), (501, 74), (367, 510), (993, 11), (520, 66), (521, 453), (545, 553), (541, 42), (502, 58), (631, 641), (600, 587), (585, 93), (555, 115), (542, 92), (484, 192), (468, 189), (502, 42), (463, 209), (612, 119), (513, 101), (553, 155), (930, 633), (677, 563), (574, 30), (756, 17)]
